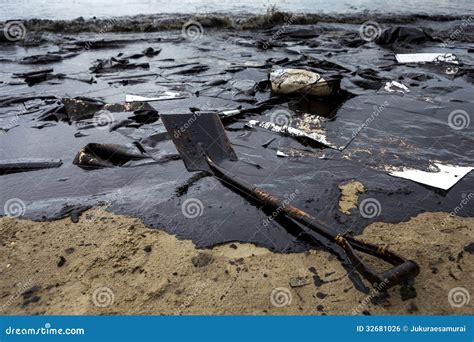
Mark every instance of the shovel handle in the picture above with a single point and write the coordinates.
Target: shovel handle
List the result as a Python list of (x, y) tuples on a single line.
[(403, 269)]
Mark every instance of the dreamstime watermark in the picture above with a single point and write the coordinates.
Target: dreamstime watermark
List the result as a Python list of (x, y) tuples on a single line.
[(21, 289), (280, 117), (196, 292), (12, 123), (370, 30), (377, 289), (458, 297), (112, 198), (376, 112), (46, 330), (280, 297), (186, 125), (192, 208), (287, 21), (462, 204), (14, 207), (284, 203), (100, 34), (103, 297), (457, 32), (14, 31), (458, 119), (192, 30), (370, 208), (103, 120)]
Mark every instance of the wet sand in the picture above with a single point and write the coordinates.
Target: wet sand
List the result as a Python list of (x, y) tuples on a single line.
[(112, 264)]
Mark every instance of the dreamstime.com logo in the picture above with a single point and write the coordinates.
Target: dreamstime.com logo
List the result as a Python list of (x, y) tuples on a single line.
[(370, 30), (103, 120), (458, 32), (376, 112), (280, 297), (103, 297), (109, 23), (377, 289), (370, 208), (192, 208), (458, 297), (197, 291), (14, 207), (281, 117), (177, 133), (13, 122), (287, 21), (285, 203), (192, 30), (46, 330), (459, 119), (14, 31), (466, 198), (21, 289)]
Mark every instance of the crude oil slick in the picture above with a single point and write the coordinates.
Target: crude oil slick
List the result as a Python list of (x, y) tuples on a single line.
[(62, 98)]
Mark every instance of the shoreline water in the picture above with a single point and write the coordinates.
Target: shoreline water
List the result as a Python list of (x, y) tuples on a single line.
[(242, 21), (115, 8)]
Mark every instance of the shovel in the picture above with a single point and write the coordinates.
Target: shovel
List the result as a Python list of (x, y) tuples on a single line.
[(203, 144)]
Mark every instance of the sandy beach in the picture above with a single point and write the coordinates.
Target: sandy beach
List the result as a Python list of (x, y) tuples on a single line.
[(111, 264)]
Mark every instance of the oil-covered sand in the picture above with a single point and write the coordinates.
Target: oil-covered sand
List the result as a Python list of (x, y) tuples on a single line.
[(55, 268)]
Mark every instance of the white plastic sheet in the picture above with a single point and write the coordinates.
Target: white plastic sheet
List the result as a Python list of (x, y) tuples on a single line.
[(442, 176), (427, 58), (167, 95), (295, 132)]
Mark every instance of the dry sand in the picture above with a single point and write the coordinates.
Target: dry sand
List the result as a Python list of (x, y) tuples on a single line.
[(110, 264)]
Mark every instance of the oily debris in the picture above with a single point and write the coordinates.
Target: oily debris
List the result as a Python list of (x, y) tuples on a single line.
[(299, 281), (202, 259)]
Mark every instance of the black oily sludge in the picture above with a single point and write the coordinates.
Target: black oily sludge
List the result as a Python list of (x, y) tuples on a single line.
[(56, 118)]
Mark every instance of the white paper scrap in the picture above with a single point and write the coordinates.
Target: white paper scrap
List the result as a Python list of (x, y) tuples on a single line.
[(444, 177), (395, 86), (167, 95), (294, 132), (427, 58)]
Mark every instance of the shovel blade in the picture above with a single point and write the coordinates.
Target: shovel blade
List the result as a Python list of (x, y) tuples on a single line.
[(197, 135)]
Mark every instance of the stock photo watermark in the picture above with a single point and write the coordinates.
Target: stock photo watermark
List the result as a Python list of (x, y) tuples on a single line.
[(281, 297), (103, 297), (466, 198), (14, 207), (459, 119), (370, 208), (192, 208), (459, 297), (192, 30), (285, 203), (14, 31), (370, 30)]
